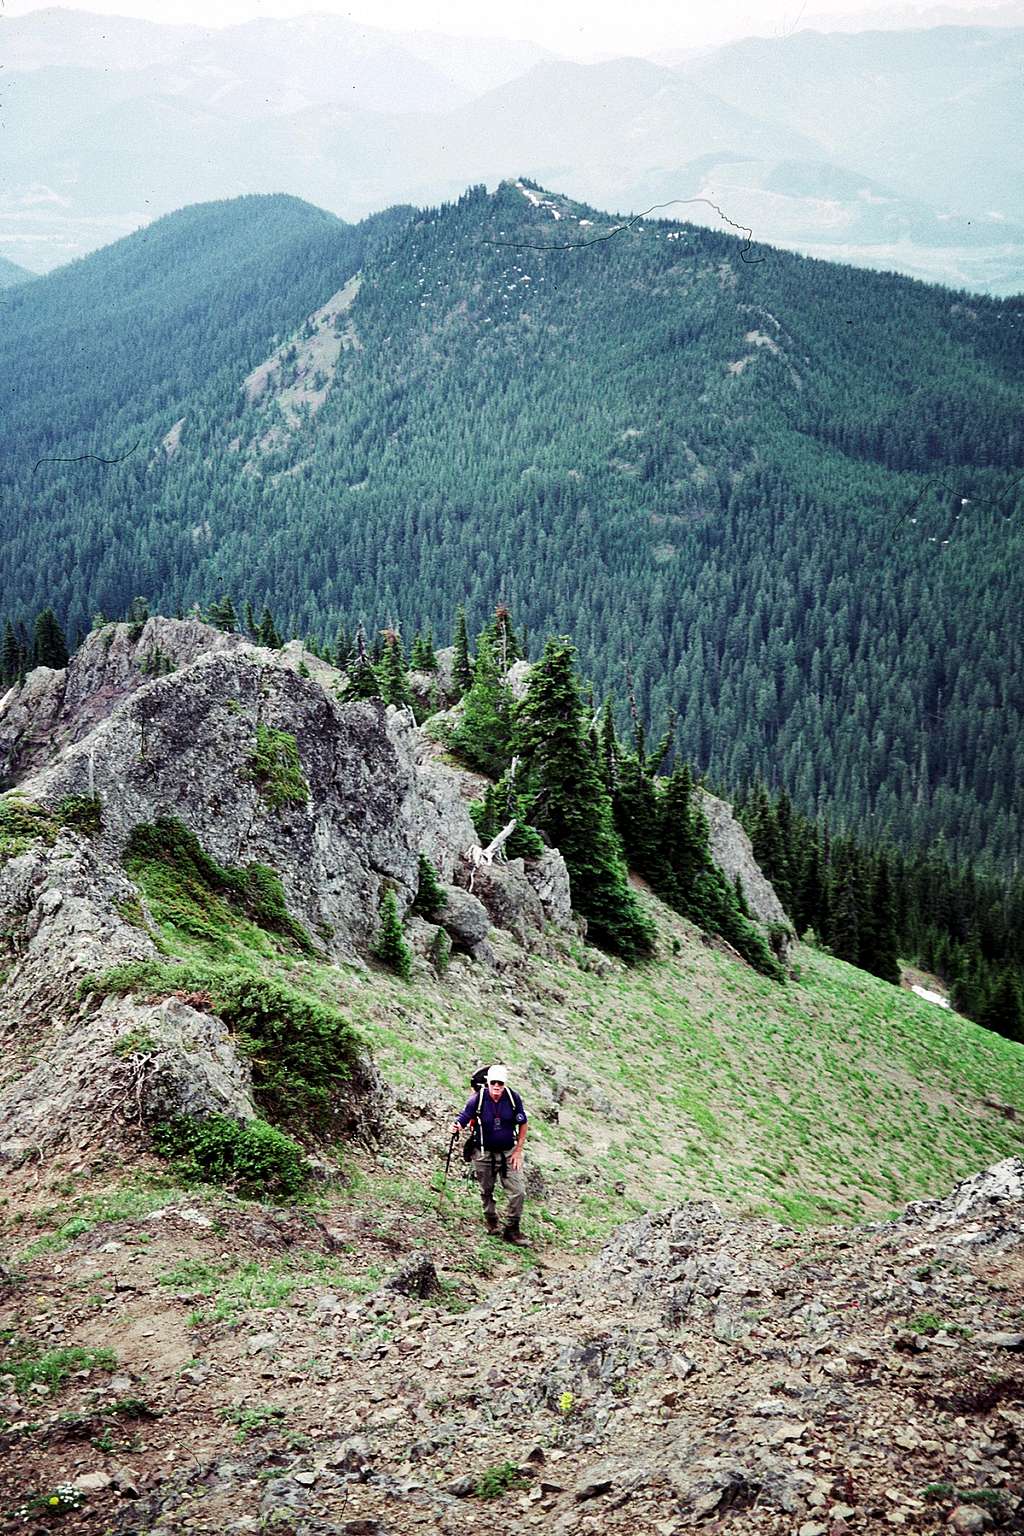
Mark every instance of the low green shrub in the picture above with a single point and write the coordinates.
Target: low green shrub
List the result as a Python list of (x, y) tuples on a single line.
[(81, 813), (253, 1157), (499, 1480)]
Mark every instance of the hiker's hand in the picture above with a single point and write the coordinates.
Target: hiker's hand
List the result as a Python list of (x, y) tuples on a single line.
[(456, 1127), (516, 1159)]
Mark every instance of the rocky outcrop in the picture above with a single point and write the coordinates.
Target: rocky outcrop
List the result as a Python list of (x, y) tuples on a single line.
[(731, 851), (128, 1062), (187, 745), (55, 708)]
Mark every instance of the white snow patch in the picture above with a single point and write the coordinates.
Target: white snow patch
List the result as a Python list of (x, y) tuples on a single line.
[(930, 997)]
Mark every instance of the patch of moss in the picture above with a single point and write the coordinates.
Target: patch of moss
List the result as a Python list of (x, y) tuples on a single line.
[(21, 824), (277, 768), (81, 813), (191, 892)]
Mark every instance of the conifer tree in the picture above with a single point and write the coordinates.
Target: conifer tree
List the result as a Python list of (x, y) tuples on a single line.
[(250, 620), (391, 948), (221, 614), (361, 680), (463, 667), (878, 944), (394, 681), (1002, 1011), (609, 748), (575, 811), (10, 657), (267, 632), (342, 648), (50, 649), (430, 898), (503, 638), (483, 736)]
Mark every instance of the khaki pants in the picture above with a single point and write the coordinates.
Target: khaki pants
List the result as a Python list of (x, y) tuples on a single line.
[(488, 1167)]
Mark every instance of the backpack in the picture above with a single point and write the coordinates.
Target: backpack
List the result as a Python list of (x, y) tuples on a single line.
[(474, 1142)]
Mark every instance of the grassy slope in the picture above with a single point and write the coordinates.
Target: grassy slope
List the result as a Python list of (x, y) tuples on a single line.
[(836, 1096)]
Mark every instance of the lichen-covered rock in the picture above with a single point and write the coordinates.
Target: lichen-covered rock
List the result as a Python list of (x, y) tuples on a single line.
[(731, 851), (464, 918), (128, 1063), (54, 708), (550, 879), (187, 746), (64, 911), (510, 899)]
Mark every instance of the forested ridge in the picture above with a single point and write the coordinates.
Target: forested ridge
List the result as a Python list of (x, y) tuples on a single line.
[(783, 495)]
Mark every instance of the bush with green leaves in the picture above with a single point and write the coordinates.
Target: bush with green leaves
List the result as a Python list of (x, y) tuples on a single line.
[(253, 1157), (499, 1480)]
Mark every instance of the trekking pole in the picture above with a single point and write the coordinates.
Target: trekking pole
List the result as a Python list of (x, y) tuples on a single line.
[(447, 1165)]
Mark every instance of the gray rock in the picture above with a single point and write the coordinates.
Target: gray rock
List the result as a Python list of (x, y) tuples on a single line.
[(968, 1518), (182, 1063), (416, 1277), (261, 1343), (732, 852), (464, 918), (594, 1484), (509, 897), (353, 1455), (550, 879), (1014, 1341)]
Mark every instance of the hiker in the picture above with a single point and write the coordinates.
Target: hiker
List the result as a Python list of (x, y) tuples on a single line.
[(499, 1131)]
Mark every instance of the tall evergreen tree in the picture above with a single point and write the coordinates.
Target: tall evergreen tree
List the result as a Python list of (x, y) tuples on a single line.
[(573, 808), (1002, 1011), (878, 941), (361, 680), (483, 736), (50, 649), (10, 656), (394, 681), (463, 668)]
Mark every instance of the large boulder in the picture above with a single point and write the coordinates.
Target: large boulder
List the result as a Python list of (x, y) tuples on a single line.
[(55, 708), (128, 1063)]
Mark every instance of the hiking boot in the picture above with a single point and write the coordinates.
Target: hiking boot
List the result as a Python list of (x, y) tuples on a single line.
[(513, 1235), (492, 1225)]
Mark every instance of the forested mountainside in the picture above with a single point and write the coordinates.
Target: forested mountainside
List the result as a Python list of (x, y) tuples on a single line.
[(11, 273), (784, 495)]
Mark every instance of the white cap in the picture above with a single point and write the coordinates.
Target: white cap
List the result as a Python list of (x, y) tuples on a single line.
[(497, 1073)]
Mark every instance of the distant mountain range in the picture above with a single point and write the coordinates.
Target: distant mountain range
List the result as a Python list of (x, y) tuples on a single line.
[(887, 149)]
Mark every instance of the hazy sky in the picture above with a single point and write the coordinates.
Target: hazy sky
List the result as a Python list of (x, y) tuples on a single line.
[(575, 27)]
